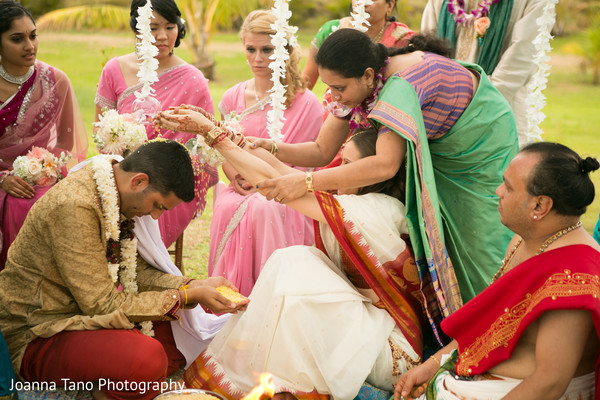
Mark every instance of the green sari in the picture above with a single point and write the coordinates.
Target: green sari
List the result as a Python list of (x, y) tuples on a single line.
[(452, 214)]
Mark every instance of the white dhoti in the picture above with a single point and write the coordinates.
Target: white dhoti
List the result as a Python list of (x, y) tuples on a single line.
[(496, 387)]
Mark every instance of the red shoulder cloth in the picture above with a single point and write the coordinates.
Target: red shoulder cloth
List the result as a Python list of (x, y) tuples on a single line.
[(489, 326)]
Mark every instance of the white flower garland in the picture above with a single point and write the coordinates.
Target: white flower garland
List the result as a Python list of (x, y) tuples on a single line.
[(536, 100), (146, 52), (105, 182), (280, 55), (360, 16)]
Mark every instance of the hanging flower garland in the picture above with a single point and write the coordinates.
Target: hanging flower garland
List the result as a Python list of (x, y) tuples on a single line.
[(279, 40), (146, 52), (145, 106), (455, 7), (360, 16), (536, 100), (125, 271)]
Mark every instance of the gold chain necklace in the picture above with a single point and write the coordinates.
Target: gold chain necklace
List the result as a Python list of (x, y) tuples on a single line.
[(379, 36), (542, 248)]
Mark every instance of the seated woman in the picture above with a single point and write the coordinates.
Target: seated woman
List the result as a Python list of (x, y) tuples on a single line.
[(37, 108), (350, 307), (178, 82), (456, 133), (243, 219)]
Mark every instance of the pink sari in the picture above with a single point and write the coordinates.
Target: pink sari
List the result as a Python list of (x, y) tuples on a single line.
[(182, 84), (245, 230), (43, 113)]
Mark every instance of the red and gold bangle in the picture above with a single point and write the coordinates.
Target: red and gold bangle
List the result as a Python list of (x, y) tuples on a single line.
[(219, 139), (242, 142)]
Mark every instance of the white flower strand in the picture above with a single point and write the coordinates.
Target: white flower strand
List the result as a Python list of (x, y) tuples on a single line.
[(280, 55), (146, 52), (105, 181), (103, 175), (536, 100), (360, 16)]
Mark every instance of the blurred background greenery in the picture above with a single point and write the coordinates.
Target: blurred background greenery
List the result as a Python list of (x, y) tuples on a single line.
[(81, 38)]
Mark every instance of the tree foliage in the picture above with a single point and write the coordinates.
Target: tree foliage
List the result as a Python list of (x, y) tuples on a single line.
[(86, 17), (40, 7)]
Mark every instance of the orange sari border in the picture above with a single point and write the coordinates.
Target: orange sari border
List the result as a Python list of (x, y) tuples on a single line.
[(396, 300), (204, 374)]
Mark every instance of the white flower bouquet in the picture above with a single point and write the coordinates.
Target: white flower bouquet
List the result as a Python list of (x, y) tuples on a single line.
[(118, 133), (40, 167)]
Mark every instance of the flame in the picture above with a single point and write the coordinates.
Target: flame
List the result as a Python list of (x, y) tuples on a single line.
[(265, 389)]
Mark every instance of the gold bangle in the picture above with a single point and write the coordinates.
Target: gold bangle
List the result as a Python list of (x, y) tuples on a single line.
[(185, 293), (212, 135), (274, 149), (436, 360), (309, 182)]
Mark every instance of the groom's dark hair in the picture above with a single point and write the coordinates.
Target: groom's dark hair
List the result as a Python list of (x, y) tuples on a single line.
[(168, 165)]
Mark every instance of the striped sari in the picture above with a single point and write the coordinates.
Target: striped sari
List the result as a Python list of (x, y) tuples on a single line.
[(457, 150)]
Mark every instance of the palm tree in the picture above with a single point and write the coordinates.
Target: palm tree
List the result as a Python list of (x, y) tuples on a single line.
[(85, 17)]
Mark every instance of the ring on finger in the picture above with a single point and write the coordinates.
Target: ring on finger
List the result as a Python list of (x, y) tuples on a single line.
[(277, 199)]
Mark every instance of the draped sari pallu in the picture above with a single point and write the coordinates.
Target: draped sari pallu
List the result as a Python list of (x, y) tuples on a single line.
[(397, 295), (43, 113), (450, 191), (488, 330)]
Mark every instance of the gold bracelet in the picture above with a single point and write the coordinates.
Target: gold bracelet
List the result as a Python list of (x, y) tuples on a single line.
[(185, 293), (436, 360), (213, 134), (309, 182), (274, 149)]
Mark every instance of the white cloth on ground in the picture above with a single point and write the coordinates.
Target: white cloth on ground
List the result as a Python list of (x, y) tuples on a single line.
[(481, 388)]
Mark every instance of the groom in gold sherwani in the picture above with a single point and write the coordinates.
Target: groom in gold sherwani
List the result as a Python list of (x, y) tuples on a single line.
[(74, 289)]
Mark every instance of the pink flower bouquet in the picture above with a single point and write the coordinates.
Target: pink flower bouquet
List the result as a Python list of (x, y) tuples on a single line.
[(40, 167)]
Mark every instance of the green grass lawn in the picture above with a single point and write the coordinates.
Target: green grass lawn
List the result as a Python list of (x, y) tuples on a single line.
[(572, 110)]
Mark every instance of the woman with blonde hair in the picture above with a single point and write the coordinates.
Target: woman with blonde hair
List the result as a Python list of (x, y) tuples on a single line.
[(242, 218)]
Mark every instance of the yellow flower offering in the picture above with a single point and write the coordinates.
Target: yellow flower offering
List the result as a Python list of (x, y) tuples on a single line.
[(231, 294)]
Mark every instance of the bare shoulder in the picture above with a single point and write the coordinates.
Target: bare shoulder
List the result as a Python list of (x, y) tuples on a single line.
[(578, 236)]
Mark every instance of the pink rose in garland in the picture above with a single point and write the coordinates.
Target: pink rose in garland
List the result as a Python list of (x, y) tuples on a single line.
[(481, 26)]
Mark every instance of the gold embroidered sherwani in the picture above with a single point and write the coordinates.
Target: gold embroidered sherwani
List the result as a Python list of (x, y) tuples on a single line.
[(56, 276)]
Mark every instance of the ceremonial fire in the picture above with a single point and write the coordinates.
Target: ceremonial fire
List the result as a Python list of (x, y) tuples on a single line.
[(265, 389)]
